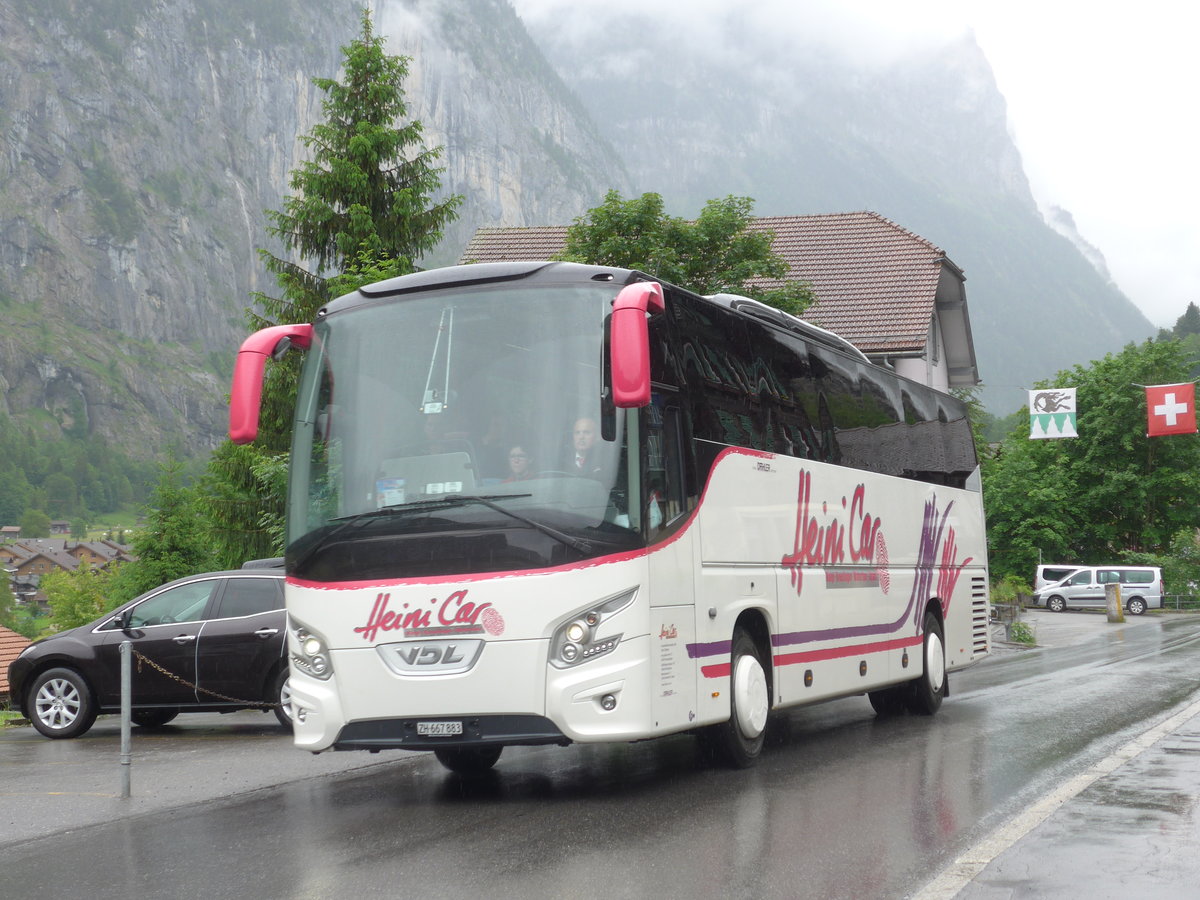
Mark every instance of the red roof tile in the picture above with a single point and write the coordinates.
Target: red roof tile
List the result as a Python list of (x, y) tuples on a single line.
[(11, 645), (875, 282)]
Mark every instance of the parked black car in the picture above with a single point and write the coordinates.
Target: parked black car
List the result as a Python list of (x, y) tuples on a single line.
[(214, 642)]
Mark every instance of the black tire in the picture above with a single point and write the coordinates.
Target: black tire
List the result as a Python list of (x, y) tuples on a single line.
[(1056, 604), (152, 718), (738, 742), (926, 692), (889, 701), (281, 696), (469, 760), (60, 704), (1136, 606)]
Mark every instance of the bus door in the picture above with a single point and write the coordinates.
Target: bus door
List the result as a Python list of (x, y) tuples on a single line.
[(672, 560)]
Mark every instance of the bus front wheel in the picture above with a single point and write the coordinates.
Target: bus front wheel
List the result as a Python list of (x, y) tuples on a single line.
[(469, 760), (739, 741)]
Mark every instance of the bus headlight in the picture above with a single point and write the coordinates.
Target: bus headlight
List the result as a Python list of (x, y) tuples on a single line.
[(579, 637), (309, 653)]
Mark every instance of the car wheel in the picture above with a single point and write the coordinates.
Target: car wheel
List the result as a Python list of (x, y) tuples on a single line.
[(1056, 604), (926, 692), (739, 741), (60, 704), (469, 760), (1136, 606), (281, 696), (152, 718)]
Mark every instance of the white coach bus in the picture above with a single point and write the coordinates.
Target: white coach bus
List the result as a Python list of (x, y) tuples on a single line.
[(545, 503)]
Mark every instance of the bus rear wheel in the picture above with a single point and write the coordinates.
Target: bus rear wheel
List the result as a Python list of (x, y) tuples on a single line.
[(469, 760), (926, 692)]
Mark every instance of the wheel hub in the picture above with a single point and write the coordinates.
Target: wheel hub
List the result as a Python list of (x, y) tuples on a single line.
[(750, 696), (935, 662)]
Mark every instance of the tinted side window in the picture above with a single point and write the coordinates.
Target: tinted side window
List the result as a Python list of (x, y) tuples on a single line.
[(1056, 574), (250, 596), (1137, 577), (184, 603), (1084, 576)]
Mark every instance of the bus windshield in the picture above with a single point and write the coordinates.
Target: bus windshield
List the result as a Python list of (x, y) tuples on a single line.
[(458, 431)]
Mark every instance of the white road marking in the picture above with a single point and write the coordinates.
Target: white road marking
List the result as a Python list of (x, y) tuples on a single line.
[(959, 873)]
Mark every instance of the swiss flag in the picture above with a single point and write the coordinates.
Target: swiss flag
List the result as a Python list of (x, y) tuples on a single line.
[(1170, 409)]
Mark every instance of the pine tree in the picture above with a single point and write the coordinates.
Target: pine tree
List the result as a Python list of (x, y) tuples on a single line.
[(364, 209), (1189, 322)]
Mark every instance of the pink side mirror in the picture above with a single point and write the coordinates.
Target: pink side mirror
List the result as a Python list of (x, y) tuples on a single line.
[(629, 347), (246, 394)]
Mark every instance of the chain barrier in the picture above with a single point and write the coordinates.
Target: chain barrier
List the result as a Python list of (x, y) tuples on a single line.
[(152, 664)]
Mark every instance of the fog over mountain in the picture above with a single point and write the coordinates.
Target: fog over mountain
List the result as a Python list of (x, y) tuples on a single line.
[(807, 120), (141, 145)]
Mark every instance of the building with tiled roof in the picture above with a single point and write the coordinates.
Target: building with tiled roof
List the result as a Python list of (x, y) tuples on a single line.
[(11, 645), (891, 293)]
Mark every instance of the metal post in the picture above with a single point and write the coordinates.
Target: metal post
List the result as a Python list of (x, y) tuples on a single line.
[(126, 713)]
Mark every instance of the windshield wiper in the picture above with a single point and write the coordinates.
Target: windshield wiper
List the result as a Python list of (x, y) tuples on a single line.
[(450, 500), (490, 502)]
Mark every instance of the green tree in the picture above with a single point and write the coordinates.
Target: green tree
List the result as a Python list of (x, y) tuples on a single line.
[(61, 494), (1189, 322), (78, 597), (174, 542), (35, 524), (12, 615), (1111, 492), (715, 253), (364, 209), (1181, 567)]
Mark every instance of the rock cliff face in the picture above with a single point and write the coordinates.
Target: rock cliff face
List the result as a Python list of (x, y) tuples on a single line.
[(519, 146), (141, 142)]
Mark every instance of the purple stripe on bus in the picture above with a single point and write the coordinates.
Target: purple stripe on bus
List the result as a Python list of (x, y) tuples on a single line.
[(805, 637), (716, 648)]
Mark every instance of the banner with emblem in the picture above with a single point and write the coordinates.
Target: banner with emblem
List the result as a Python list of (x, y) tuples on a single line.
[(1170, 409), (1052, 413)]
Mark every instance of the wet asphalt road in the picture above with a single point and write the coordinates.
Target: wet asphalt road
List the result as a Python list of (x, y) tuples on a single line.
[(842, 804)]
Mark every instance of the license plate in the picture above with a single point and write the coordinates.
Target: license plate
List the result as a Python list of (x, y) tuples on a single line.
[(439, 729)]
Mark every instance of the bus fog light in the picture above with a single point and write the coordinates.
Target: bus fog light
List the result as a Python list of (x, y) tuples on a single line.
[(309, 652), (580, 637), (608, 702), (311, 645)]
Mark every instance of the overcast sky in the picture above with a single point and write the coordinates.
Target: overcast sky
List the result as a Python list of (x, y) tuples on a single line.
[(1102, 100)]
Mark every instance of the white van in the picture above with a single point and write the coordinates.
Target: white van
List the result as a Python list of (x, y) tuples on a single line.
[(1141, 589), (1048, 575)]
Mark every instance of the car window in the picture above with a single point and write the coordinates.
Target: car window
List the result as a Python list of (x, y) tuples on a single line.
[(1133, 576), (1056, 574), (1109, 576), (1083, 576), (183, 603), (249, 596)]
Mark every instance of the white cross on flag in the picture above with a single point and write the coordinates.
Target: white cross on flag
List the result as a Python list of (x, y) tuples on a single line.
[(1170, 409)]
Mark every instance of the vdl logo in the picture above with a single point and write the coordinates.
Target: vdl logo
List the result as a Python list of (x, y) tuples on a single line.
[(431, 657)]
